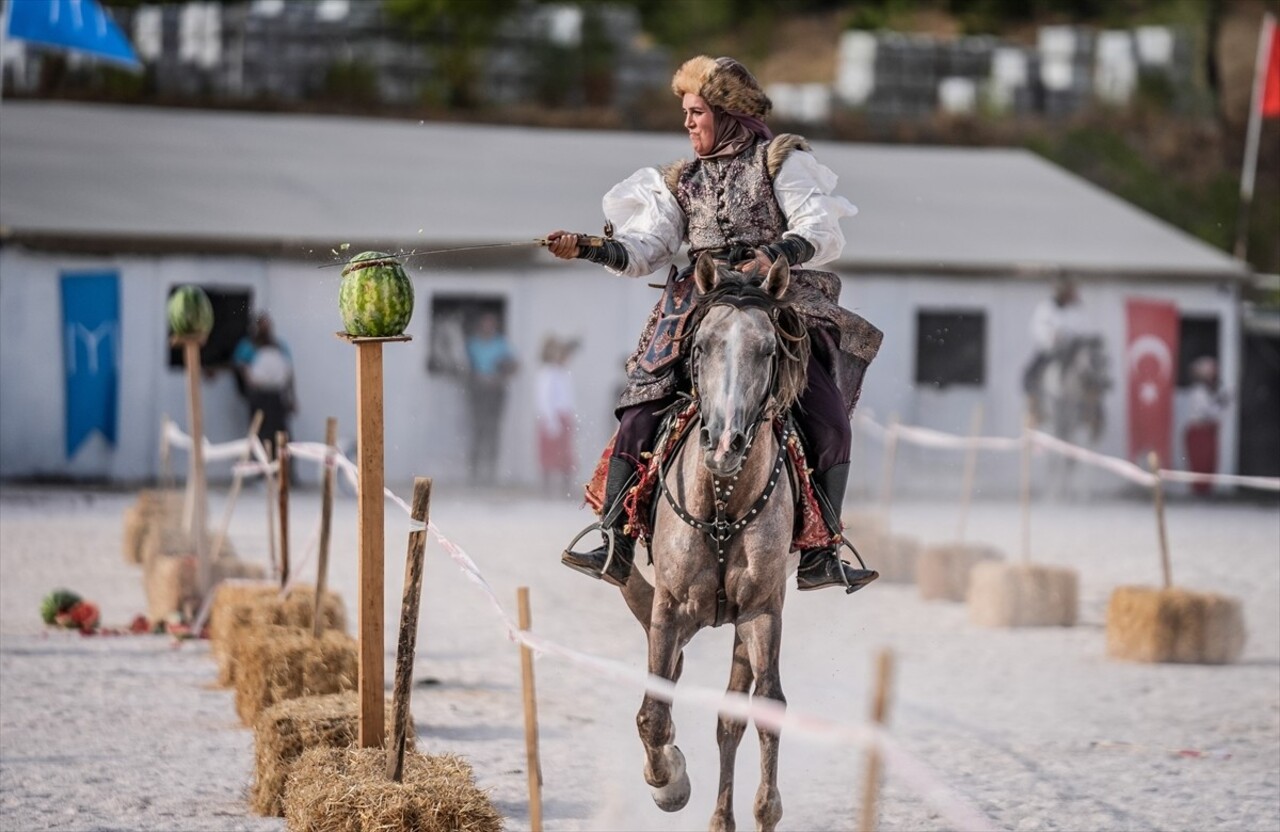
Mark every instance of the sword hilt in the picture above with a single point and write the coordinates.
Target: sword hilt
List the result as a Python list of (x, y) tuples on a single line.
[(587, 240)]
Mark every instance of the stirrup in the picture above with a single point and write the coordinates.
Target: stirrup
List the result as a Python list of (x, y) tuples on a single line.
[(849, 588), (566, 556)]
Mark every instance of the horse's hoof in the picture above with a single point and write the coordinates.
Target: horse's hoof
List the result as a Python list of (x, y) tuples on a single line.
[(675, 795)]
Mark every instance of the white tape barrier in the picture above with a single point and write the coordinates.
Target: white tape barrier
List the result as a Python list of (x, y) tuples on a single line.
[(930, 438), (223, 450), (767, 713)]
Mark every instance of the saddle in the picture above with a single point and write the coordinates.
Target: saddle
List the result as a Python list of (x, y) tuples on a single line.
[(640, 504)]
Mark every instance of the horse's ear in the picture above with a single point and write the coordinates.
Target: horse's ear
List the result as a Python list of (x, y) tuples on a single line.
[(779, 278), (705, 273)]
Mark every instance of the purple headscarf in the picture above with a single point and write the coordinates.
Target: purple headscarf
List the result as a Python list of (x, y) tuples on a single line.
[(735, 132)]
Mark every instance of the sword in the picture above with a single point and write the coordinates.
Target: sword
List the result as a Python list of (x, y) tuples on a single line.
[(587, 240)]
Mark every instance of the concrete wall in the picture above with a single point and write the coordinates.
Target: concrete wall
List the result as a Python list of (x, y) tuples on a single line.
[(426, 420)]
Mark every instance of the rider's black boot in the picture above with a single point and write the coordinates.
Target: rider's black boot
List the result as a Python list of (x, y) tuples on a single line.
[(823, 567), (611, 561)]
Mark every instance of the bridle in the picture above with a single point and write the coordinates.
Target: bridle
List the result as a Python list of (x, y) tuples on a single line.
[(721, 529)]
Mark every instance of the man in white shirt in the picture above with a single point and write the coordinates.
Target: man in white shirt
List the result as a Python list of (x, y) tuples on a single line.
[(1054, 322)]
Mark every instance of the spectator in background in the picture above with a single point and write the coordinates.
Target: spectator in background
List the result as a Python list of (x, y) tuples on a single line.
[(264, 374), (553, 389), (1208, 402), (492, 363)]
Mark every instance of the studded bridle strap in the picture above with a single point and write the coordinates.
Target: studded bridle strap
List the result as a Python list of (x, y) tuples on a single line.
[(721, 530)]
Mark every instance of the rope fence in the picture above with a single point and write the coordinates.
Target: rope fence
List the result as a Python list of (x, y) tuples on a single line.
[(956, 809)]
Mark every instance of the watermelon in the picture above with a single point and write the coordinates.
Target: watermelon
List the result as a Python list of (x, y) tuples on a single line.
[(376, 298), (190, 312), (56, 602)]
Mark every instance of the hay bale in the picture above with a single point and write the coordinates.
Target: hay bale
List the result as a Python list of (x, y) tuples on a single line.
[(895, 557), (170, 581), (1145, 624), (863, 525), (246, 610), (1023, 595), (154, 508), (347, 790), (280, 663), (288, 728), (942, 571)]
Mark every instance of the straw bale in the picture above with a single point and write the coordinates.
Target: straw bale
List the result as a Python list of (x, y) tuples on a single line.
[(1145, 624), (162, 540), (249, 609), (942, 572), (170, 581), (347, 790), (154, 508), (864, 524), (279, 663), (1023, 595), (895, 558), (288, 728)]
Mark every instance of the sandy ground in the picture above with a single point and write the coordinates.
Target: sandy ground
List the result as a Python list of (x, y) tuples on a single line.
[(1037, 728)]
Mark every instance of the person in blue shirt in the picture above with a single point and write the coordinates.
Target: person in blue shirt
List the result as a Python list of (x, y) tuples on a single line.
[(264, 374), (491, 364)]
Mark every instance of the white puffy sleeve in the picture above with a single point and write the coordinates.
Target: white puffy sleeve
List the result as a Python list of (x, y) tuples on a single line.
[(647, 221), (804, 189)]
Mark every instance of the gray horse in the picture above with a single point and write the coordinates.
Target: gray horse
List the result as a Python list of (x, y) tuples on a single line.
[(1069, 400), (723, 526)]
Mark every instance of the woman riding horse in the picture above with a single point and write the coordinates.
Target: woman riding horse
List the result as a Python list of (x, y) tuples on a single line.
[(748, 199)]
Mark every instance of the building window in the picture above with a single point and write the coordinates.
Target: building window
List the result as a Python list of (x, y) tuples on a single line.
[(453, 318), (951, 347), (1197, 338), (230, 323)]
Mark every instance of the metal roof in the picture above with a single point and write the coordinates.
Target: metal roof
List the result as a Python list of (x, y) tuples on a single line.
[(191, 180)]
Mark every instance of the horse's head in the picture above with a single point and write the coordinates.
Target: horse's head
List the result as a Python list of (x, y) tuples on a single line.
[(748, 359)]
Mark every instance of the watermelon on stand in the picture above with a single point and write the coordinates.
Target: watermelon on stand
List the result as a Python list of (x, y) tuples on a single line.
[(376, 298), (190, 312)]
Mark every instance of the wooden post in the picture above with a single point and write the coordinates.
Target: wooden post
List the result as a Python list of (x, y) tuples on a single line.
[(879, 715), (890, 454), (269, 489), (1153, 459), (191, 357), (369, 570), (326, 521), (408, 638), (237, 479), (970, 471), (282, 456), (1025, 491), (533, 763)]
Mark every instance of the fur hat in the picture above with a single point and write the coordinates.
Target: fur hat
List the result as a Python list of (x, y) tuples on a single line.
[(724, 83)]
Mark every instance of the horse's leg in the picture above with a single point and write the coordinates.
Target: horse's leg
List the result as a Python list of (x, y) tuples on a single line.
[(639, 597), (664, 767), (728, 735), (763, 638)]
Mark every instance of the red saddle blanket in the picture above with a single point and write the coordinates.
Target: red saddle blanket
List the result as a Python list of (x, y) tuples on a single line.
[(810, 531)]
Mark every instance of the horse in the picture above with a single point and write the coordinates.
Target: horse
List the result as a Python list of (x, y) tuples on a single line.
[(1069, 398), (723, 524)]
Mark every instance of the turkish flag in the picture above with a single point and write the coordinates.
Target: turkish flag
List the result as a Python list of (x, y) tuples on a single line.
[(1151, 364), (1271, 86)]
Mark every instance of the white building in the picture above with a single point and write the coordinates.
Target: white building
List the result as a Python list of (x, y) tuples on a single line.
[(255, 203)]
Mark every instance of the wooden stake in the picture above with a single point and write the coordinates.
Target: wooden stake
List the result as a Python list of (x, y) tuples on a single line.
[(269, 488), (1025, 490), (970, 471), (407, 641), (879, 715), (369, 439), (533, 763), (199, 508), (282, 456), (1153, 459), (237, 480), (326, 520), (890, 454)]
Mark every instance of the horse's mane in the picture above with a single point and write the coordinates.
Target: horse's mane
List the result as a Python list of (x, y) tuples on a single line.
[(736, 289)]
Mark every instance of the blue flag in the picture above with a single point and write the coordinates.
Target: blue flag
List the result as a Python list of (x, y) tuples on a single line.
[(79, 25), (91, 354)]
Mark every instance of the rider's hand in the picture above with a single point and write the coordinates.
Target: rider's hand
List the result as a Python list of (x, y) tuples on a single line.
[(563, 244), (760, 264)]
